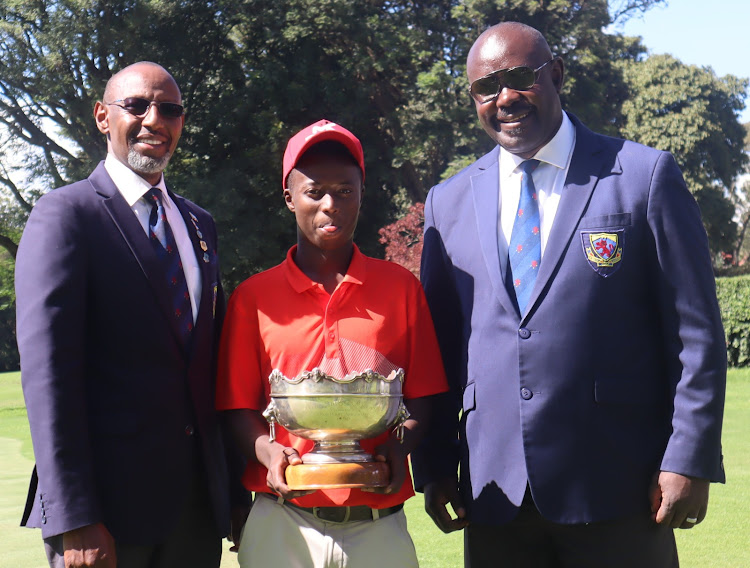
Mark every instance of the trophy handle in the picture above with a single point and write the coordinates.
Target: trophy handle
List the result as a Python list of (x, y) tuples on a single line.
[(402, 415), (271, 414)]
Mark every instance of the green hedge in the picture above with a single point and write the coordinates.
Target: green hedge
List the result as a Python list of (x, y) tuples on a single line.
[(734, 300)]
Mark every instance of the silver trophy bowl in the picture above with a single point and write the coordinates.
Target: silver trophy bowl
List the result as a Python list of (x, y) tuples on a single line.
[(337, 413)]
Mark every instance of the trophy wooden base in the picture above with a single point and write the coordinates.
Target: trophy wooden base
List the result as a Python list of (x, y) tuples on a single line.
[(337, 475)]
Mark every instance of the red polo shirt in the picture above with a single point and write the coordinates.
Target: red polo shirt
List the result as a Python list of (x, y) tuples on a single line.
[(377, 318)]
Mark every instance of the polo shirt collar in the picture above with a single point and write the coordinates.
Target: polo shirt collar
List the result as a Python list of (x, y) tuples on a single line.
[(300, 282)]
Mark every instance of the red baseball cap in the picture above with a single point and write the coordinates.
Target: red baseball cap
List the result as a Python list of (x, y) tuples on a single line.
[(315, 133)]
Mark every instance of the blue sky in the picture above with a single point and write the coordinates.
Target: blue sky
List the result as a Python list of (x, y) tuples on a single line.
[(699, 32)]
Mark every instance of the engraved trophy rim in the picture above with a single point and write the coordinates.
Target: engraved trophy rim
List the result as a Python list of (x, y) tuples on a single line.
[(317, 375)]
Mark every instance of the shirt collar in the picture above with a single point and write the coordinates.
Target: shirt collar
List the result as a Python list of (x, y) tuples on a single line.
[(556, 152), (128, 183), (300, 282)]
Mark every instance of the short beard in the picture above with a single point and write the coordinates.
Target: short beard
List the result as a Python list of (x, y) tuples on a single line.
[(146, 165)]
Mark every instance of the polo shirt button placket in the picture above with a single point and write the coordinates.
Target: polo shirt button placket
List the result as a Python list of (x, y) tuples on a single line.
[(331, 343)]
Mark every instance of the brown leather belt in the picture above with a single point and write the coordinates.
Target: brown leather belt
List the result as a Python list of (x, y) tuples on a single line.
[(347, 514)]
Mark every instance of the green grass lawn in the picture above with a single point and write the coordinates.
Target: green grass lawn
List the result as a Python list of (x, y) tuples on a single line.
[(722, 541)]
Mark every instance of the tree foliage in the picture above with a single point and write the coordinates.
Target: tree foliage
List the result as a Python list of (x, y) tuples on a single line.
[(403, 239), (697, 124), (379, 68), (55, 58), (255, 71)]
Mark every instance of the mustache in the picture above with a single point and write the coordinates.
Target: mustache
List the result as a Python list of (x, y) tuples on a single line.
[(133, 139), (514, 111)]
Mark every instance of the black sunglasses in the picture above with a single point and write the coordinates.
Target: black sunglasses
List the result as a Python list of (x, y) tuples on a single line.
[(521, 78), (138, 106)]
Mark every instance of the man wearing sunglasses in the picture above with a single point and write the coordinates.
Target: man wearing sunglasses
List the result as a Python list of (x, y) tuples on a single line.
[(119, 311), (570, 283)]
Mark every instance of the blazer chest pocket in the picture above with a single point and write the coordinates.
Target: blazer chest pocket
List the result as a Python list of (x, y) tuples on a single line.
[(604, 222), (604, 242)]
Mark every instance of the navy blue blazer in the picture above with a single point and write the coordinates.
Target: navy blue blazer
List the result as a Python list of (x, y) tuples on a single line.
[(618, 368), (118, 410)]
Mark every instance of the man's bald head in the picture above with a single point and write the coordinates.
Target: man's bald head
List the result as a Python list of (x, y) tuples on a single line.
[(114, 85), (493, 37)]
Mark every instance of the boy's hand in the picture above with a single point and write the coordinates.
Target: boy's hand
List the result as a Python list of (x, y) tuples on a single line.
[(276, 478)]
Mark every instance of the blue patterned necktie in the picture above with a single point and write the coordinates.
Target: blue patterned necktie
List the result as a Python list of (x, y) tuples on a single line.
[(162, 239), (525, 249)]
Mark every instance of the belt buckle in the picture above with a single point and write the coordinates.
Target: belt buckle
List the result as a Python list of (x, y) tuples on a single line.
[(332, 514)]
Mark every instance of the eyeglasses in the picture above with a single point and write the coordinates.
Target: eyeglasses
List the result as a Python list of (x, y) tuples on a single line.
[(138, 106), (521, 78)]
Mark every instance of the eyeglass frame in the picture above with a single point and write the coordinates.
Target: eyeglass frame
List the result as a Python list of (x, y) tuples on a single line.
[(150, 104), (501, 85)]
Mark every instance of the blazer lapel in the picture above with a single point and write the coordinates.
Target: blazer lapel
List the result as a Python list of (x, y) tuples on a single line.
[(199, 239), (588, 164), (135, 237), (485, 191)]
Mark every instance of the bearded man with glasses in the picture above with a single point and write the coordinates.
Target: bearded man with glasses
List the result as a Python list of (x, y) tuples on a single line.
[(119, 309), (570, 282)]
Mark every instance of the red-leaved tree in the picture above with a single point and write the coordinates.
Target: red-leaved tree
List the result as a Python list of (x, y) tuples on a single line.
[(403, 239)]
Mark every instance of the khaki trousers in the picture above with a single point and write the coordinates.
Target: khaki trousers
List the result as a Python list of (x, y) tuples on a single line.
[(278, 535)]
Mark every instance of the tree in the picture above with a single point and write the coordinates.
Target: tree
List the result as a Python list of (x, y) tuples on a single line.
[(55, 58), (699, 125), (403, 239), (255, 71)]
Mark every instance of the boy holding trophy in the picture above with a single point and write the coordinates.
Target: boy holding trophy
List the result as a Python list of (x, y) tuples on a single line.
[(327, 314)]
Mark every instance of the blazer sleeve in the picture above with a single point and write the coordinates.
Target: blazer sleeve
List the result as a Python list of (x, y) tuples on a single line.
[(51, 291), (236, 461), (437, 455), (695, 347)]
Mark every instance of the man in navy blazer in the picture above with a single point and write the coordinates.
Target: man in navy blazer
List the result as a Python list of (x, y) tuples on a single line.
[(130, 462), (590, 420)]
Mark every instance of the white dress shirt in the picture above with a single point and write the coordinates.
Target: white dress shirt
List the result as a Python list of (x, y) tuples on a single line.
[(133, 188), (549, 179)]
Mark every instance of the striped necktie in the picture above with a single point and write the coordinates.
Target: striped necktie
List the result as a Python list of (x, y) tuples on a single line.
[(525, 250), (162, 239)]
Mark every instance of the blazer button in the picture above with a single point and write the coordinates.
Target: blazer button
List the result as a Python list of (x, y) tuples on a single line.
[(524, 333), (526, 394), (189, 430)]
